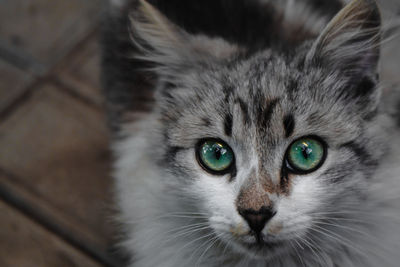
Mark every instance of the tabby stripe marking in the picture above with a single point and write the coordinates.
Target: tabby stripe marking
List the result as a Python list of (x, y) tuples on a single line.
[(288, 124), (245, 110), (267, 114), (228, 123)]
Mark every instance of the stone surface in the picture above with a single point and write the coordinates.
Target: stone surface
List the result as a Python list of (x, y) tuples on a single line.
[(56, 148), (24, 243), (46, 29), (13, 83), (81, 71)]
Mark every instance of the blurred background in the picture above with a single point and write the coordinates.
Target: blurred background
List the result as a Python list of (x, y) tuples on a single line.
[(55, 184)]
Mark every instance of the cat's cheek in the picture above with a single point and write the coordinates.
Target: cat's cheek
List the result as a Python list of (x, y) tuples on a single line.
[(215, 191), (217, 197), (307, 192), (307, 196)]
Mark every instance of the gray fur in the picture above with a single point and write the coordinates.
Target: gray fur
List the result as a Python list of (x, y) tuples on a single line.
[(343, 214)]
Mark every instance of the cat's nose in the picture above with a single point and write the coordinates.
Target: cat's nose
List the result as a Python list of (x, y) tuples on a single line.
[(257, 219)]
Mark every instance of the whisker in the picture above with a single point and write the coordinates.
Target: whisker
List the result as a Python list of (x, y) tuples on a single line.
[(227, 245), (344, 241), (213, 241), (188, 213), (192, 241), (322, 253), (343, 227), (188, 232), (185, 227), (193, 217), (312, 248), (296, 251), (171, 215)]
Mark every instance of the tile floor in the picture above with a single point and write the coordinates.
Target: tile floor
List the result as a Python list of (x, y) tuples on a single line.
[(55, 188)]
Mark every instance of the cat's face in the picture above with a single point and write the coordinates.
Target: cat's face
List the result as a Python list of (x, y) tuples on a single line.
[(272, 148), (259, 108)]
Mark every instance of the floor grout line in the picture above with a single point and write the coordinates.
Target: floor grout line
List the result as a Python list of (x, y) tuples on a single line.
[(42, 76), (48, 74), (22, 98), (35, 214), (21, 60), (73, 92)]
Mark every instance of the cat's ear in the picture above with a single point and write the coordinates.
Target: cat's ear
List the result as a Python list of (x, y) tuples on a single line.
[(170, 47), (351, 41)]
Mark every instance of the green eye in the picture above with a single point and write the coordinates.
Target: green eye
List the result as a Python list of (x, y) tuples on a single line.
[(306, 155), (215, 156)]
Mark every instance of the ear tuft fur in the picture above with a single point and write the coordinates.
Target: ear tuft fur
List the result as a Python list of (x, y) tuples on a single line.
[(155, 35), (351, 40), (170, 47)]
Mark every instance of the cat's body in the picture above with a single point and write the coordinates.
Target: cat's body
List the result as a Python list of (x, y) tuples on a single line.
[(258, 95)]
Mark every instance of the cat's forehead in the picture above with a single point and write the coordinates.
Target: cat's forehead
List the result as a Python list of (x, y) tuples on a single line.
[(262, 100), (265, 74)]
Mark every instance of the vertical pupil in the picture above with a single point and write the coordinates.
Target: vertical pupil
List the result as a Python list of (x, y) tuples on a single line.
[(306, 151), (218, 153)]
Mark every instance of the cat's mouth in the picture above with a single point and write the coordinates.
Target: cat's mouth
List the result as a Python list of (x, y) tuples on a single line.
[(261, 242), (261, 246)]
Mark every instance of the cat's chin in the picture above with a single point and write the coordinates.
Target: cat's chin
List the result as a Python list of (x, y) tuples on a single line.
[(260, 248)]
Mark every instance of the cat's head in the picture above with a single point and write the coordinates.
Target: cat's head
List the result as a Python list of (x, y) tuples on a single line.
[(273, 146)]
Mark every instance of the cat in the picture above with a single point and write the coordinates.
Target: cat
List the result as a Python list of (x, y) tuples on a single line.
[(268, 142)]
